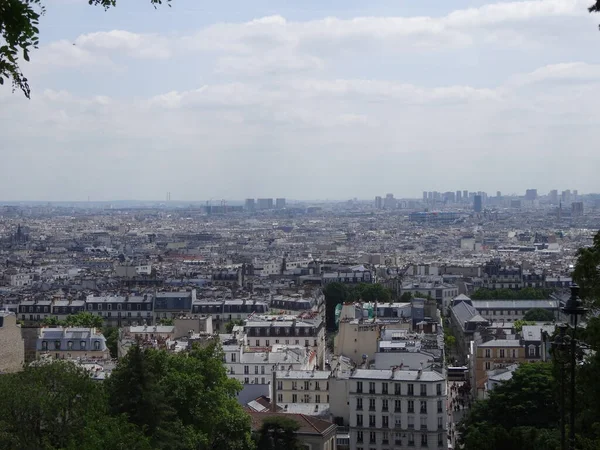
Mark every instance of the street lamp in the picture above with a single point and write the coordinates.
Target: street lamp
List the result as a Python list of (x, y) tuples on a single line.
[(573, 308), (559, 344)]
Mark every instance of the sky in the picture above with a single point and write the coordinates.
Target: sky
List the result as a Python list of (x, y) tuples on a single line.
[(304, 99)]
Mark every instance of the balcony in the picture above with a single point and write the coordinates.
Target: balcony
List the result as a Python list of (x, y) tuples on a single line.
[(424, 427), (398, 425), (423, 411), (397, 442)]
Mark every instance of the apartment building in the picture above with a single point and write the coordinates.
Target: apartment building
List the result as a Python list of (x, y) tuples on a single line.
[(12, 346), (302, 386), (71, 343), (224, 311), (400, 409), (256, 365), (492, 355), (511, 310), (120, 310), (306, 329)]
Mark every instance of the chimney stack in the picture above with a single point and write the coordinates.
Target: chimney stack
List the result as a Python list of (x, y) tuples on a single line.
[(274, 391)]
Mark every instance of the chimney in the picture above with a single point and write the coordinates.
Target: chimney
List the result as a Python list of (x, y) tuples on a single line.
[(274, 391)]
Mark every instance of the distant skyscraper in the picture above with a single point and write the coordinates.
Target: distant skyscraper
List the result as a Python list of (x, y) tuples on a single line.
[(566, 196), (264, 203), (250, 205), (378, 202), (389, 202), (458, 196), (477, 203), (575, 192), (531, 194), (553, 196), (576, 209), (280, 203), (424, 196), (498, 194), (465, 196)]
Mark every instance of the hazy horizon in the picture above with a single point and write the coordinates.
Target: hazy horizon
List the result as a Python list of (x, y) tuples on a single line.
[(232, 100)]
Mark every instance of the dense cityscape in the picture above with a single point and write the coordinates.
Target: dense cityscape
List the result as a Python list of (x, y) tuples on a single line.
[(299, 225), (370, 324)]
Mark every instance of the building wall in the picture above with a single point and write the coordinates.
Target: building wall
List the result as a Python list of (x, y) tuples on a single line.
[(302, 390), (12, 346), (490, 358), (356, 339), (402, 425)]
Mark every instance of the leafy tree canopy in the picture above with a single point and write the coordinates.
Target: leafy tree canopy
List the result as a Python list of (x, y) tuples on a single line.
[(538, 315), (587, 271), (19, 34), (511, 294), (276, 433), (81, 319)]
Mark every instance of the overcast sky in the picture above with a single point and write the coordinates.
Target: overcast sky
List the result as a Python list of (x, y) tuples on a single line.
[(305, 99)]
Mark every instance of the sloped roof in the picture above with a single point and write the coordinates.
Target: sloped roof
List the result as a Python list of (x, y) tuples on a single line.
[(307, 424)]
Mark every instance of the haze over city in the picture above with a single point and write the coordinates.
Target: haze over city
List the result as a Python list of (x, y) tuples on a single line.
[(304, 100)]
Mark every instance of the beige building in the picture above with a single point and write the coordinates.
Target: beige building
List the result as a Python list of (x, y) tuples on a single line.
[(313, 433), (360, 337), (308, 387), (492, 355), (12, 346)]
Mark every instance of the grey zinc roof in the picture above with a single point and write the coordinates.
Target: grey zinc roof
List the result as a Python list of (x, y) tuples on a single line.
[(501, 343), (464, 312), (515, 304), (399, 375), (534, 332)]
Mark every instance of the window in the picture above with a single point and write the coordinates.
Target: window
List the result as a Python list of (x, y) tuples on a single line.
[(438, 389), (279, 385), (262, 370), (397, 389), (119, 306), (411, 389), (306, 385), (384, 388), (294, 385), (411, 406), (423, 409), (488, 365), (398, 439), (514, 353), (488, 353), (96, 345), (371, 404), (246, 380), (70, 345), (255, 370), (56, 345), (317, 387), (294, 398), (246, 370), (531, 350), (440, 423), (410, 422), (306, 398), (385, 422), (280, 398), (44, 345), (411, 439), (440, 440), (398, 422), (384, 405), (423, 390), (99, 306), (267, 343), (372, 420), (371, 387), (423, 423), (82, 345), (258, 342), (359, 420), (109, 306), (397, 406), (385, 438), (424, 440), (233, 356), (317, 398), (502, 351), (439, 406), (372, 437), (359, 386), (359, 404), (359, 436)]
